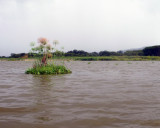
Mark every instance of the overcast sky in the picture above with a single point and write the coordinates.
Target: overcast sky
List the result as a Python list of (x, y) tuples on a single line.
[(90, 25)]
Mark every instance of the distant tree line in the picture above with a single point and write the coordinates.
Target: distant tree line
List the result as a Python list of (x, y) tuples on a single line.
[(152, 51), (13, 55), (147, 51), (2, 56), (104, 53)]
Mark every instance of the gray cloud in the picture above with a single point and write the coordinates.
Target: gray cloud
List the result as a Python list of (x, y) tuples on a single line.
[(91, 25)]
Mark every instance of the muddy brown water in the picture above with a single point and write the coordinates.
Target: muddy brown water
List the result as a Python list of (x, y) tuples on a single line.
[(96, 95)]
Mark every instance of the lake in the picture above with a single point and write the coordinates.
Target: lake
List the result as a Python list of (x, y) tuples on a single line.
[(100, 94)]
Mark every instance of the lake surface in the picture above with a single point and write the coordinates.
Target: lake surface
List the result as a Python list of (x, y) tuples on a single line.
[(108, 94)]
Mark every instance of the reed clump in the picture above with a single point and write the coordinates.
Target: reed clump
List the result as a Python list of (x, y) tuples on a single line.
[(48, 69)]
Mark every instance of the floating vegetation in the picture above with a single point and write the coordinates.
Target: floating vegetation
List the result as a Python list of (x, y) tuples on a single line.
[(48, 69), (129, 63)]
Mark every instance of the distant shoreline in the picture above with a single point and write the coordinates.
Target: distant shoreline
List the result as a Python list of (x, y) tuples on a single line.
[(90, 58)]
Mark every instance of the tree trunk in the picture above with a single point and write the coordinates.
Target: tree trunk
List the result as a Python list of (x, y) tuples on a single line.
[(44, 60)]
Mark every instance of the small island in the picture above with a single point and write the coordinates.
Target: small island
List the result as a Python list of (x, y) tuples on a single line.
[(41, 65)]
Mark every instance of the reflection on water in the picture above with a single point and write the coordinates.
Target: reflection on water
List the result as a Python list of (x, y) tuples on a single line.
[(96, 94)]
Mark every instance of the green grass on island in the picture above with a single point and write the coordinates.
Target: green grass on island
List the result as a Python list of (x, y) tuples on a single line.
[(48, 69)]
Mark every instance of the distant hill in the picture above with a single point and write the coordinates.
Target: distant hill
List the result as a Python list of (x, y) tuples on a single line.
[(152, 50), (133, 49)]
